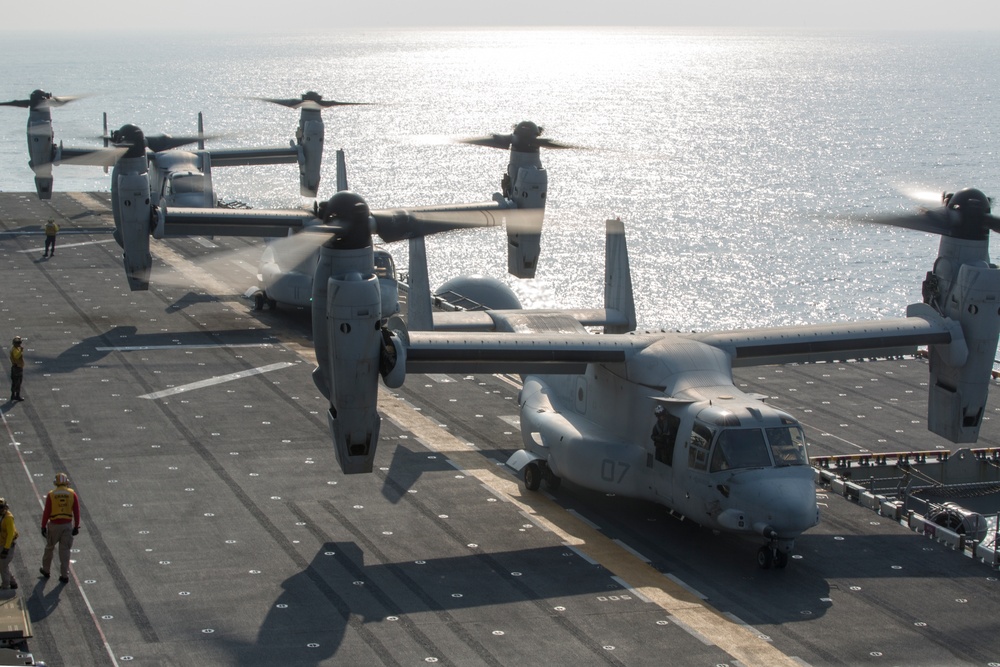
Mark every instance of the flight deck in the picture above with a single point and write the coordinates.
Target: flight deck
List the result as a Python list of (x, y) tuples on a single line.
[(218, 530)]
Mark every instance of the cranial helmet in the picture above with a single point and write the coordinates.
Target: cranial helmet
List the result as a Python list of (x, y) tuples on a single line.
[(659, 410), (3, 504), (17, 340), (61, 479)]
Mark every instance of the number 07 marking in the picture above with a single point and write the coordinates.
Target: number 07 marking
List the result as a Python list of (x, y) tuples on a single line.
[(613, 471)]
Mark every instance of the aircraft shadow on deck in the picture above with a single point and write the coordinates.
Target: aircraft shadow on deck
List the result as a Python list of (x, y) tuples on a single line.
[(93, 349), (307, 623), (406, 468)]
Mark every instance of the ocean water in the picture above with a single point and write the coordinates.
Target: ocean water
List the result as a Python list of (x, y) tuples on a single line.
[(743, 163)]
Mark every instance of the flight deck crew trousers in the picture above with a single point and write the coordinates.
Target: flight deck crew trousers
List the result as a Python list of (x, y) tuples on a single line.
[(6, 578), (61, 534), (16, 377)]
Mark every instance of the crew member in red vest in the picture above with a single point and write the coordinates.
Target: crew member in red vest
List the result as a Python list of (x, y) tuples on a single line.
[(60, 524)]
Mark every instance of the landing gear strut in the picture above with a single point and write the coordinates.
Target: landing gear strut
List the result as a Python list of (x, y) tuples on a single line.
[(260, 300), (769, 555), (537, 472)]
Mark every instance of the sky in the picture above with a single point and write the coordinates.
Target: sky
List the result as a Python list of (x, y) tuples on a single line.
[(323, 15)]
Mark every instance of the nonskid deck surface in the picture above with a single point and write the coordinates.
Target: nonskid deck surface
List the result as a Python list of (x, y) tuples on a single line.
[(218, 530)]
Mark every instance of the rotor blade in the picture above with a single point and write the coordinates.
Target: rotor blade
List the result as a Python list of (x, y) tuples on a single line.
[(165, 142), (549, 143), (60, 101), (99, 157), (401, 224), (504, 141), (300, 103), (41, 100), (501, 141), (296, 248), (933, 221)]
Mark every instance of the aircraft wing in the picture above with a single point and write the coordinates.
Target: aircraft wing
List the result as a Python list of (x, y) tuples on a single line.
[(835, 342), (547, 353), (572, 320), (248, 157), (225, 222)]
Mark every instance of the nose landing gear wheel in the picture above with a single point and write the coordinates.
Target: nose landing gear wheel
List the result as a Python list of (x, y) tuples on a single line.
[(765, 557), (532, 476), (768, 556)]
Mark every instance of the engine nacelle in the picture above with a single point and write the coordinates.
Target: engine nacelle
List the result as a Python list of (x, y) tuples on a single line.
[(133, 222), (310, 144), (957, 395), (523, 245), (348, 339), (41, 151)]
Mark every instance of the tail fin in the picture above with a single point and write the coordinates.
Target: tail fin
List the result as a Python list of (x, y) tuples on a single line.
[(105, 136), (418, 298), (618, 277), (341, 171), (201, 132)]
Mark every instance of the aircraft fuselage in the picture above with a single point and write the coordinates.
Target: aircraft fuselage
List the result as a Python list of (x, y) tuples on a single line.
[(730, 461)]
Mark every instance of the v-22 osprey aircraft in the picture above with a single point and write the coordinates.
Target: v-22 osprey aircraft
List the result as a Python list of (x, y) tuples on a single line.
[(150, 170), (287, 276), (723, 458)]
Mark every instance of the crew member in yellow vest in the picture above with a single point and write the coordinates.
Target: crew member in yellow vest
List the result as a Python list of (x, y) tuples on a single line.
[(8, 538), (51, 229), (16, 369), (60, 524)]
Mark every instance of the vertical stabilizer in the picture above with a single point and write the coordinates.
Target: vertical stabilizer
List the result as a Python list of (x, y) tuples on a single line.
[(341, 171), (418, 299), (618, 277)]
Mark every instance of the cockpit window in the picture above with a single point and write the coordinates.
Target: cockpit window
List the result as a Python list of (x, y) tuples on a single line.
[(740, 448), (788, 446), (384, 266), (701, 441)]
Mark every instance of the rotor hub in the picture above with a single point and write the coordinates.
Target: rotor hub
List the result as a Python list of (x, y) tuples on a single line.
[(350, 213)]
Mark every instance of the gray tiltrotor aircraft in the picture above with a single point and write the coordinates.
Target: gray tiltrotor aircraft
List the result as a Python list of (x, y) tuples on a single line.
[(287, 276), (149, 170), (650, 415), (285, 271), (42, 150), (182, 178)]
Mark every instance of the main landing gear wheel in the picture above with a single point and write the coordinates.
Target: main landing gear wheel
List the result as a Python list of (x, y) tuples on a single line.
[(768, 556), (532, 476), (260, 300)]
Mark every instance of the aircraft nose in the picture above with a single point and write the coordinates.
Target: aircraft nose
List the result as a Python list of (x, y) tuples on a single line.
[(783, 500), (791, 504)]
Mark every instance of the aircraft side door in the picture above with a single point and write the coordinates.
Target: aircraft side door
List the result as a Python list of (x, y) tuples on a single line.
[(697, 482), (661, 457)]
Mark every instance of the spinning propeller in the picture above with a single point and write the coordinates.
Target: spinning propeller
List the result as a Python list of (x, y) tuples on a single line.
[(964, 215), (310, 100), (962, 288), (526, 138), (41, 100), (353, 348), (42, 150), (136, 141)]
